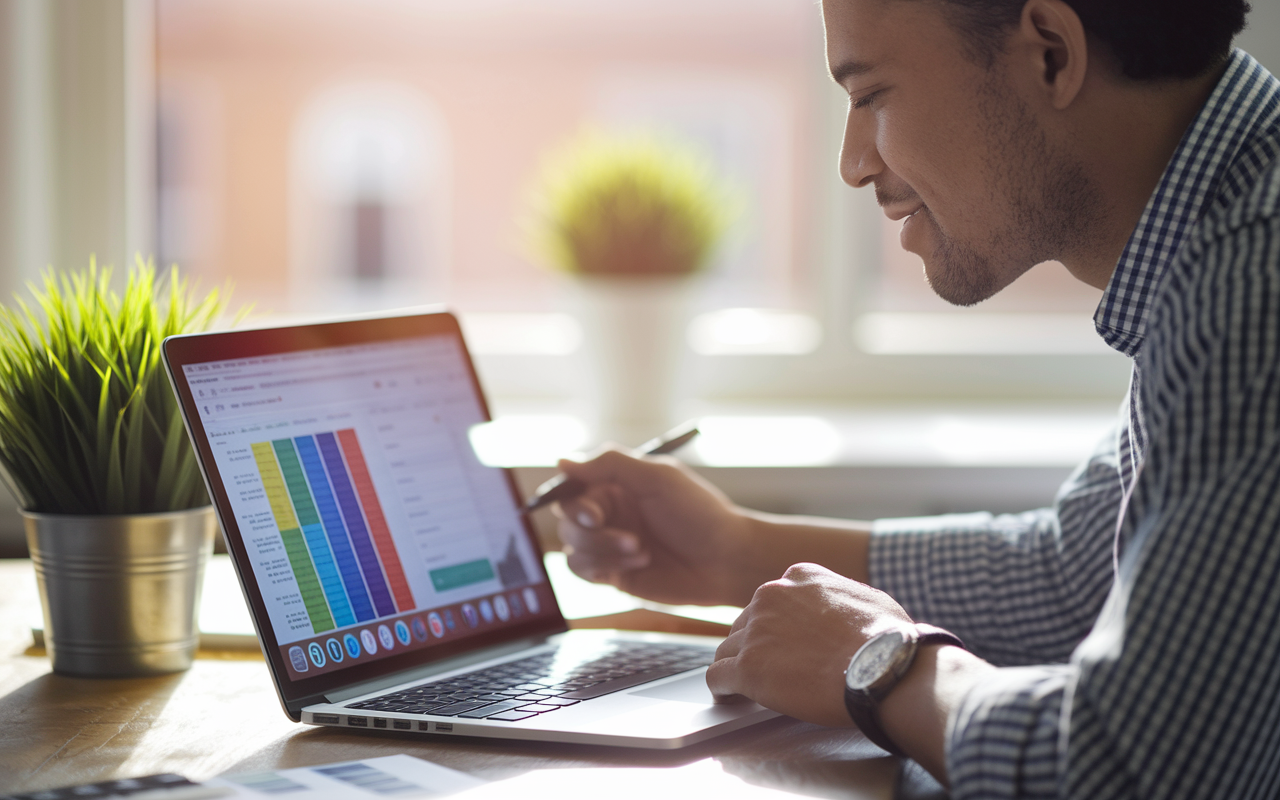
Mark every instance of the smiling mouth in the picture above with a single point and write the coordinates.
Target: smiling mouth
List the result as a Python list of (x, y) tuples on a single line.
[(905, 213)]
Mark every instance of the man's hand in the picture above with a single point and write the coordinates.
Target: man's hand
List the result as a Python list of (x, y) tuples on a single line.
[(790, 648), (655, 529)]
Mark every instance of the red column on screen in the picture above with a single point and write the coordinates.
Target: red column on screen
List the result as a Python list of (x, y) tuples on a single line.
[(377, 521)]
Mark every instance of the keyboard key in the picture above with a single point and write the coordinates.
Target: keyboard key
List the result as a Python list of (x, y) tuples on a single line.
[(425, 708), (492, 708), (455, 709), (512, 716), (618, 684), (539, 708), (558, 701)]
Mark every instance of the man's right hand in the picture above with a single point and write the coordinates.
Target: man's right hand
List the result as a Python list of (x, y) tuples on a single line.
[(653, 528)]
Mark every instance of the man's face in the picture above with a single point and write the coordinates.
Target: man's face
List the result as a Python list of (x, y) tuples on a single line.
[(952, 147)]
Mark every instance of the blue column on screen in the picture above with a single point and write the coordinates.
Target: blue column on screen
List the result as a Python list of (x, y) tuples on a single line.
[(328, 575), (333, 527), (321, 556), (351, 514)]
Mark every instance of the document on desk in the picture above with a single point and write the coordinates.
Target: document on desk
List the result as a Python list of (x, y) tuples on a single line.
[(390, 776)]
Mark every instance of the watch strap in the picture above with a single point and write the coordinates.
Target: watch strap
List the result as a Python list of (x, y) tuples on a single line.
[(863, 707)]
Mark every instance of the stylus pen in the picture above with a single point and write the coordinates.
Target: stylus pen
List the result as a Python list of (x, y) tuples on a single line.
[(562, 487)]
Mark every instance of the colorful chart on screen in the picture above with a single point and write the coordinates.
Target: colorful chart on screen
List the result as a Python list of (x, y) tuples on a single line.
[(358, 497)]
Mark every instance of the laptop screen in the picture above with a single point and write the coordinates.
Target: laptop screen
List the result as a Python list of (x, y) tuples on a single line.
[(368, 525)]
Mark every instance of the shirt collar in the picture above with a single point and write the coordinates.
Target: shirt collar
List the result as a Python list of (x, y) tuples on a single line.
[(1218, 144)]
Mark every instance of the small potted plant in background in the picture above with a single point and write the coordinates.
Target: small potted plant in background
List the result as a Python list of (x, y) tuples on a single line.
[(632, 218), (95, 452)]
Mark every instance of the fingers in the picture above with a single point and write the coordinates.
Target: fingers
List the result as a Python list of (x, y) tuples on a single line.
[(602, 546), (724, 679), (604, 554), (586, 511), (616, 466), (584, 525), (596, 551)]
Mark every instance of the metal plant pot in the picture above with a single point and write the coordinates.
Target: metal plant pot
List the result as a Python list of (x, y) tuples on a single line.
[(120, 593)]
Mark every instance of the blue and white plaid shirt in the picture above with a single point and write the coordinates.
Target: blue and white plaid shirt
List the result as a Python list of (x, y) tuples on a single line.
[(1137, 621)]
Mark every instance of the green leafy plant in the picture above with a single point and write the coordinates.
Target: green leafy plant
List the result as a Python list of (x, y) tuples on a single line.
[(628, 206), (88, 422)]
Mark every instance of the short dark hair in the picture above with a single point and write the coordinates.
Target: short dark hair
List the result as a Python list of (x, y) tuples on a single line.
[(1150, 39)]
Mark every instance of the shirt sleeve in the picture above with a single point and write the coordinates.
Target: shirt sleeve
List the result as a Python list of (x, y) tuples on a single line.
[(1003, 739), (1020, 588), (1174, 692)]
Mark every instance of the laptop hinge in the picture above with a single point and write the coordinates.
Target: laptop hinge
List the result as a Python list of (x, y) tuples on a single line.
[(435, 668)]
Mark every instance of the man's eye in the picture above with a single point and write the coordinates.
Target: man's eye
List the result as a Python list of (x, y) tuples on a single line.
[(866, 100)]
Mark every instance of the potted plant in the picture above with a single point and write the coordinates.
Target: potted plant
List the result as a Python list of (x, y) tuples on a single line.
[(94, 450), (632, 218)]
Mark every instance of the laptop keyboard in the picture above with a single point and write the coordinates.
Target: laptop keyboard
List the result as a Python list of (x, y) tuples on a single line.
[(543, 683)]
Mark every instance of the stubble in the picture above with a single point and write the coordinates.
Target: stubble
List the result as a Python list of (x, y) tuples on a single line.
[(1051, 206)]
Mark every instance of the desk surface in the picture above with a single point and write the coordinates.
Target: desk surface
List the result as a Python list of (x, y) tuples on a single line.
[(223, 715)]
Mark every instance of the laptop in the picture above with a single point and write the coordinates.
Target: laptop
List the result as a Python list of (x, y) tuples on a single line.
[(393, 581)]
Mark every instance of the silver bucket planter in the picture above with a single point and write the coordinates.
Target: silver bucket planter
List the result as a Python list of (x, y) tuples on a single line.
[(120, 593)]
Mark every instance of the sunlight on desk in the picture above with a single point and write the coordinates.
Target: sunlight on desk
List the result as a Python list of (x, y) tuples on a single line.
[(704, 779), (223, 716)]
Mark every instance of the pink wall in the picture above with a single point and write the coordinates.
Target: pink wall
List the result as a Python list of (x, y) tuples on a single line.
[(510, 79)]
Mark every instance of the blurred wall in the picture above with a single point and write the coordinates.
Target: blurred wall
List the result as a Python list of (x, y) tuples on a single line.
[(1262, 38), (78, 141)]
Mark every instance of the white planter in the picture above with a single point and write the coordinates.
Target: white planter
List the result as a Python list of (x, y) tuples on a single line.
[(634, 337)]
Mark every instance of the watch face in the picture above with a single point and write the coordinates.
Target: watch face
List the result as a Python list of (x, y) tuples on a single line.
[(874, 659)]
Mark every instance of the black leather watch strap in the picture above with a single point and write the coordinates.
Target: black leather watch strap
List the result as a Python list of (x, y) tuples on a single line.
[(863, 707)]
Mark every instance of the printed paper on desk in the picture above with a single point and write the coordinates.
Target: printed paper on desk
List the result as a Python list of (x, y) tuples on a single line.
[(398, 776)]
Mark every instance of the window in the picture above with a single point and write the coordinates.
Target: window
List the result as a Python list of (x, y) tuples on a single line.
[(339, 155), (368, 199)]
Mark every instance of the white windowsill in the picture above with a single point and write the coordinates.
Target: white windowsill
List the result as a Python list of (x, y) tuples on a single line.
[(531, 435)]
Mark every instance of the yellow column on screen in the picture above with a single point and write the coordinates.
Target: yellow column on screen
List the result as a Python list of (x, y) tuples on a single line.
[(273, 482), (304, 572)]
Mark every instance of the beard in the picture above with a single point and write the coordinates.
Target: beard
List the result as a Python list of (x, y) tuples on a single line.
[(1051, 203)]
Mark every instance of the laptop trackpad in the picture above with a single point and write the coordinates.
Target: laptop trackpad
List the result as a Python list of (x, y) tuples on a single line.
[(692, 689)]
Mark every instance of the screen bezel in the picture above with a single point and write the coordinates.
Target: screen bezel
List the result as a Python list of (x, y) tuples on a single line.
[(179, 351)]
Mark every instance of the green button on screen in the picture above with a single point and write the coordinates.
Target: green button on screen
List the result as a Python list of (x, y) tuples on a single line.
[(447, 578)]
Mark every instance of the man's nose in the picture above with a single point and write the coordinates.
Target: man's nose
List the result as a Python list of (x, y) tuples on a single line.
[(859, 157)]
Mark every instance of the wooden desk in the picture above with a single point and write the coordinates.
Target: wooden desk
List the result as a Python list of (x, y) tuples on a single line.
[(223, 715)]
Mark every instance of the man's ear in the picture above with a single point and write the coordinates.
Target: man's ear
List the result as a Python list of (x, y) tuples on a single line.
[(1056, 49)]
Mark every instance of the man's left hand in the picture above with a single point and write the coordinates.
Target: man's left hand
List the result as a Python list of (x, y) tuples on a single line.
[(789, 649)]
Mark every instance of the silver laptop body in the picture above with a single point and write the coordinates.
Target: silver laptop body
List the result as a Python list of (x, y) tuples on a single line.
[(393, 582)]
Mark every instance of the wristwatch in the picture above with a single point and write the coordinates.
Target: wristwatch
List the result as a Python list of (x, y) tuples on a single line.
[(877, 667)]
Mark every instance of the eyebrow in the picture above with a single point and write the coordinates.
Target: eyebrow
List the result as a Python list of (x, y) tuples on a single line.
[(849, 69)]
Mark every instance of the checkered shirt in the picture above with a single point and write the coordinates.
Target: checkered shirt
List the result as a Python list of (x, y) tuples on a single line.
[(1137, 620)]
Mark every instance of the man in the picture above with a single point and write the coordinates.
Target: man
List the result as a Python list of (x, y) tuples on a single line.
[(1125, 642)]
